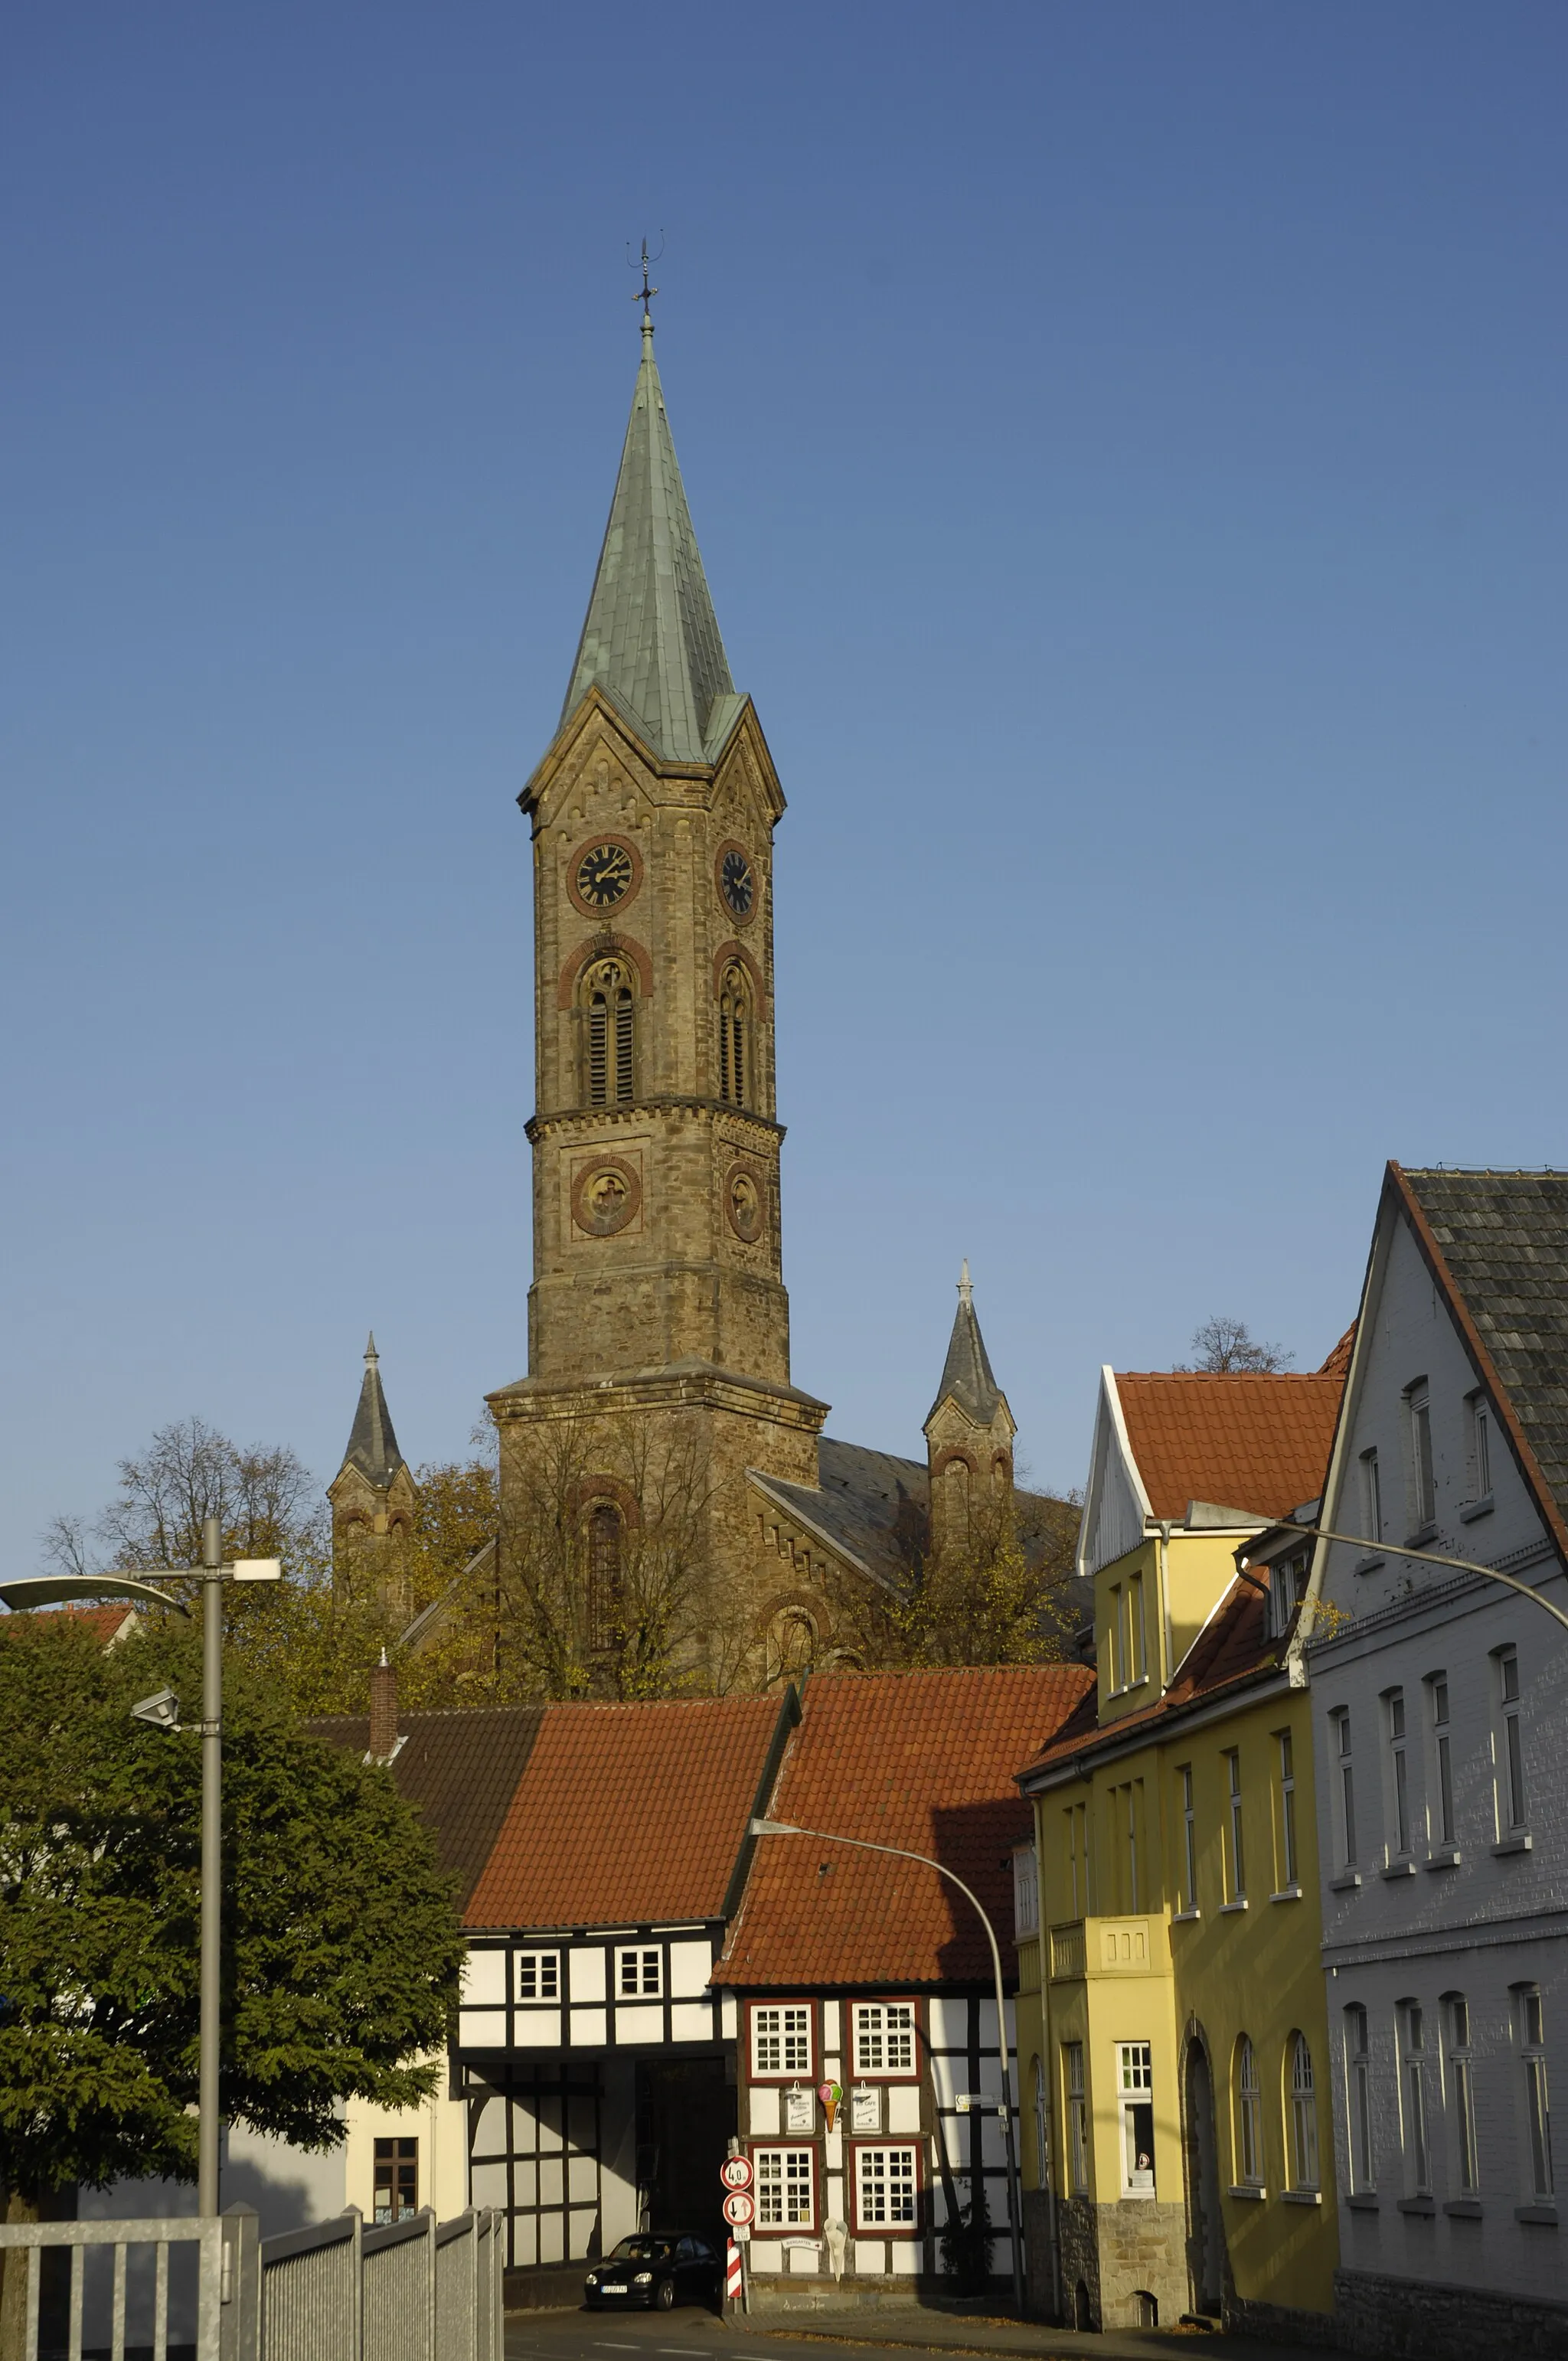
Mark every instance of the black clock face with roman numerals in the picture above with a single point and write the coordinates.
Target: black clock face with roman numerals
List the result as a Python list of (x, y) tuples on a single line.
[(736, 881), (604, 876)]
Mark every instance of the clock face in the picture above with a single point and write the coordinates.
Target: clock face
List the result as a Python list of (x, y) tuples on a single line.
[(604, 876), (736, 881)]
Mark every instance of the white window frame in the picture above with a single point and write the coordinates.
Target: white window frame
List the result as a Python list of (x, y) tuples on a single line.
[(1530, 2031), (1249, 2115), (1423, 1467), (1188, 1845), (545, 1967), (1289, 1852), (1480, 1412), (1116, 1651), (1372, 1498), (1305, 2168), (867, 2225), (1512, 1792), (1415, 2108), (1137, 1634), (1358, 2099), (796, 2021), (1397, 1736), (775, 2179), (1235, 1835), (1344, 1798), (1460, 2080), (872, 2024), (1440, 1785), (1075, 2093), (1134, 2090), (647, 1960)]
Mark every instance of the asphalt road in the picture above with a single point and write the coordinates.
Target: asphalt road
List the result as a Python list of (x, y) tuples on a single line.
[(690, 2334)]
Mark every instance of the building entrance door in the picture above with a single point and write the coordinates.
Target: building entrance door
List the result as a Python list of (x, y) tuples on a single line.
[(1205, 2223)]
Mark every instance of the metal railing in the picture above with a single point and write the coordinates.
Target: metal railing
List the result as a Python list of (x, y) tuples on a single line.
[(227, 2283), (411, 2291)]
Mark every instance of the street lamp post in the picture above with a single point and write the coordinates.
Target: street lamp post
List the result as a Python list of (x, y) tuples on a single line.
[(1395, 1549), (758, 1827), (162, 1711)]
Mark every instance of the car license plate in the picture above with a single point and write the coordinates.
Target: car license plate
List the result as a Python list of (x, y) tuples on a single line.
[(613, 2287)]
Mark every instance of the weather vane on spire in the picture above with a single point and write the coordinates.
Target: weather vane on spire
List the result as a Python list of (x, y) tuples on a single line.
[(645, 294)]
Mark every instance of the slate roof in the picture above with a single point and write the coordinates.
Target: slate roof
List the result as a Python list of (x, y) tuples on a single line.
[(870, 1503), (920, 1759), (372, 1446), (651, 640), (1232, 1650), (459, 1770), (1241, 1441), (1499, 1243), (628, 1813), (966, 1372)]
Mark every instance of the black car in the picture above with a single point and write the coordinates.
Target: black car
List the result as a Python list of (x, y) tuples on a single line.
[(656, 2270)]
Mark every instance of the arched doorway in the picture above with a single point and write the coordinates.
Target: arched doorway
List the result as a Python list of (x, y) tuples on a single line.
[(1205, 2223)]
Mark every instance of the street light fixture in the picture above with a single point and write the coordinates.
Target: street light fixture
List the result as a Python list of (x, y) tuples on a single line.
[(1395, 1549), (162, 1710), (758, 1827)]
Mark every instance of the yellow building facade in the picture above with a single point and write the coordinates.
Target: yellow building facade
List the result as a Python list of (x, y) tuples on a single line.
[(1172, 2033)]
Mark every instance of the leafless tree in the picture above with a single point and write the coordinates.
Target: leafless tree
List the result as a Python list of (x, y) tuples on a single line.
[(1222, 1345)]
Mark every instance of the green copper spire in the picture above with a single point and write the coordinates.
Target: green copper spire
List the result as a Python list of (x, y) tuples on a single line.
[(651, 641)]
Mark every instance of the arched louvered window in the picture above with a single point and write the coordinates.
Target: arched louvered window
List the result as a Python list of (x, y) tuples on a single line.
[(605, 1538), (612, 1037), (736, 1053)]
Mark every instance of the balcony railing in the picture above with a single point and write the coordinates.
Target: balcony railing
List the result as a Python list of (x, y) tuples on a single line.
[(1100, 1947), (1067, 1950)]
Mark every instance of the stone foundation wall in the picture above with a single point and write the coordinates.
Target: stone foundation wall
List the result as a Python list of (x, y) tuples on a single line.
[(789, 2291), (1428, 2321), (1118, 2253), (1037, 2291), (1280, 2323)]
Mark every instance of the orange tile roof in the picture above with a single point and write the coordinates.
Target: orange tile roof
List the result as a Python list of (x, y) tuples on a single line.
[(1233, 1649), (1243, 1442), (922, 1759), (627, 1813)]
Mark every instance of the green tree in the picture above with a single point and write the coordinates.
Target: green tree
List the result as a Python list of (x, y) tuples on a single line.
[(1000, 1597), (341, 1943)]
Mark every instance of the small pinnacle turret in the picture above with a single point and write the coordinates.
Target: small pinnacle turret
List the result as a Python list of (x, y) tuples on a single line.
[(968, 1433), (372, 1494)]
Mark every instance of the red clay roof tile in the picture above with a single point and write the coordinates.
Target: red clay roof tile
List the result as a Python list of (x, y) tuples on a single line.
[(627, 1813), (1241, 1441), (920, 1759)]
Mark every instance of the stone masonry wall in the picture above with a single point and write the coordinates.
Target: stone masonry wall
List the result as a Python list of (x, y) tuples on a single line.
[(1426, 2320)]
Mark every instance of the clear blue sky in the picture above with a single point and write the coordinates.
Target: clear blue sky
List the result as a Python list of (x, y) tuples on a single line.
[(1125, 442)]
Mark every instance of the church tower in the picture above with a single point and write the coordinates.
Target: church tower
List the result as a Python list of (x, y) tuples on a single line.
[(372, 1495), (968, 1437), (658, 1333)]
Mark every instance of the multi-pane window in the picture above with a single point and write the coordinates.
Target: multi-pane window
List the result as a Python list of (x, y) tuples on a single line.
[(1188, 1840), (538, 1975), (1077, 1819), (1138, 1663), (611, 1036), (1077, 2116), (1371, 1498), (1480, 1448), (1133, 1799), (1461, 2094), (1399, 1775), (1512, 1815), (1288, 1587), (885, 2036), (1288, 1863), (781, 2039), (1413, 2097), (1134, 2083), (1236, 1855), (639, 1972), (605, 1536), (1249, 2117), (1358, 2093), (1531, 2027), (1340, 1723), (395, 2190), (785, 2188), (1303, 2116), (1116, 1653), (884, 2188), (1423, 1481), (1439, 1807)]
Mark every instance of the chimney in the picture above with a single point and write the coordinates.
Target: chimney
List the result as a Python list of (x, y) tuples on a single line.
[(383, 1711)]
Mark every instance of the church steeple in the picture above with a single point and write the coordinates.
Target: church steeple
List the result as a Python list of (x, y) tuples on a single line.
[(373, 1496), (969, 1434), (651, 641)]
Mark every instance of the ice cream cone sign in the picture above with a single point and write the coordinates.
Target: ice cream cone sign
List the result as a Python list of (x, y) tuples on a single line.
[(831, 2094)]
